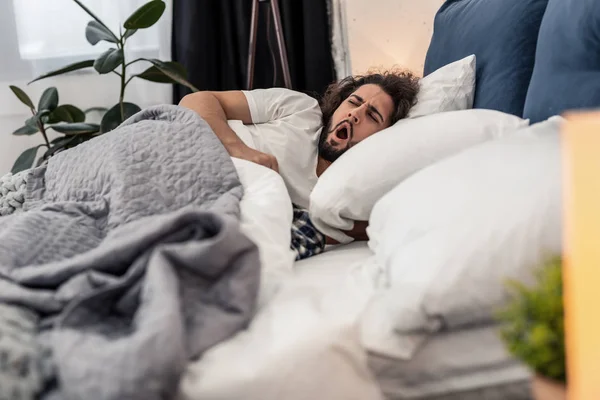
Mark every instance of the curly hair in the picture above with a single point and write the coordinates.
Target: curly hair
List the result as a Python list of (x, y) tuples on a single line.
[(401, 86)]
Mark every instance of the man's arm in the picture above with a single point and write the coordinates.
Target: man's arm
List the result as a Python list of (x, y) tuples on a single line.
[(218, 107)]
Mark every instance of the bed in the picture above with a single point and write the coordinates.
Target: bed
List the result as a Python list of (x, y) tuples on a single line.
[(336, 294)]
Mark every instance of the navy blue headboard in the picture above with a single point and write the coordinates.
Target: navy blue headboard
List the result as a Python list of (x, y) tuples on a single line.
[(503, 36)]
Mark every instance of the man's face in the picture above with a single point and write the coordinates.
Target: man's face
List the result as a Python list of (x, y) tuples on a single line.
[(363, 113)]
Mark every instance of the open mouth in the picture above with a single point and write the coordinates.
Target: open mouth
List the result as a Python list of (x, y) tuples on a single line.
[(343, 132)]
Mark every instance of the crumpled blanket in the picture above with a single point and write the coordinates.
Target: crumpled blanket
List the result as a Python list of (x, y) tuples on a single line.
[(129, 252), (12, 192)]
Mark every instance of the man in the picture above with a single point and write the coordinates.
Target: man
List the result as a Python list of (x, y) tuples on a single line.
[(292, 134)]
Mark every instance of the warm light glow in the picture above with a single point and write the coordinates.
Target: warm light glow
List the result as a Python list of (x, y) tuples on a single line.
[(389, 33), (581, 165)]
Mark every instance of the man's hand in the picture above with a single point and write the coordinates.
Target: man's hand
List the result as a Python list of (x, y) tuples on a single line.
[(358, 233), (240, 150)]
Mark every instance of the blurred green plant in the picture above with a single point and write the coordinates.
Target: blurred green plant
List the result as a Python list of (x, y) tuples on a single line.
[(65, 119), (48, 113), (533, 322)]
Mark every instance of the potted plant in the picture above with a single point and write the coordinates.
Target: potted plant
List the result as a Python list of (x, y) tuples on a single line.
[(65, 119), (533, 330), (69, 120)]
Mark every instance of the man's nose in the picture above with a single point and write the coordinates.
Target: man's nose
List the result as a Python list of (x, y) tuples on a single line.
[(354, 116)]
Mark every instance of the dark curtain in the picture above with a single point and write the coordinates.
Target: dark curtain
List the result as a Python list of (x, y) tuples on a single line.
[(211, 37)]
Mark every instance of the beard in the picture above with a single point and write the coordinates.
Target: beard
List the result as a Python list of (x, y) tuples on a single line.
[(327, 151)]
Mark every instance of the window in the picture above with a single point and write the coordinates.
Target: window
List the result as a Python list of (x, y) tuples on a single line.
[(56, 29)]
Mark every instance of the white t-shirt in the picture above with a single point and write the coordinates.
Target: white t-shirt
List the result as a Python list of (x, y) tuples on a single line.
[(285, 124)]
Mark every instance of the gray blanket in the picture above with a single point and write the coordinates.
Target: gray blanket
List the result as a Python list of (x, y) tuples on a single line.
[(129, 252)]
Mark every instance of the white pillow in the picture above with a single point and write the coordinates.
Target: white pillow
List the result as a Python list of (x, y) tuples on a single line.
[(451, 235), (347, 191), (450, 88)]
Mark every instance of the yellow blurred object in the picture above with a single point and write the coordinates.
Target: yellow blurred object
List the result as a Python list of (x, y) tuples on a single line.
[(581, 166)]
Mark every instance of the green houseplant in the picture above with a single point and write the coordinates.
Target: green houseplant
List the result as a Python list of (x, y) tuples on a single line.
[(68, 119), (533, 329), (65, 119)]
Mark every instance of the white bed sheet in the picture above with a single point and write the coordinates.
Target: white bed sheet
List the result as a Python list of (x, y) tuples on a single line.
[(304, 344), (334, 264)]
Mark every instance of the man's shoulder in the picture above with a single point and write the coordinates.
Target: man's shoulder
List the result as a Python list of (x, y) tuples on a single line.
[(283, 93), (277, 103)]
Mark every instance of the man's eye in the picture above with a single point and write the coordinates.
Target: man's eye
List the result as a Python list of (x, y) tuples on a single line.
[(373, 117)]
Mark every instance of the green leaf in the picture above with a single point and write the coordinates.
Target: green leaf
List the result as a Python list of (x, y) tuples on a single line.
[(43, 116), (40, 118), (25, 130), (43, 113), (77, 128), (67, 113), (154, 74), (112, 118), (41, 160), (95, 109), (108, 60), (49, 99), (173, 71), (145, 16), (129, 33), (21, 95), (95, 32), (32, 121), (64, 70), (59, 141), (25, 160), (58, 144), (78, 139), (91, 14)]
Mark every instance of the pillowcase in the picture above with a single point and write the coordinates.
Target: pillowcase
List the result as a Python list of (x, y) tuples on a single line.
[(449, 236), (450, 88), (567, 67), (502, 34), (349, 188)]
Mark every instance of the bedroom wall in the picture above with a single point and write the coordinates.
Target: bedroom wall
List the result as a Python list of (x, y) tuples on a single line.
[(389, 32)]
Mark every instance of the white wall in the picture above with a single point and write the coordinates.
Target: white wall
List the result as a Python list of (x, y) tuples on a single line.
[(387, 33)]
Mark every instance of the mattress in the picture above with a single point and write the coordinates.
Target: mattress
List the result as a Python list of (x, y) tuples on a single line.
[(467, 364)]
